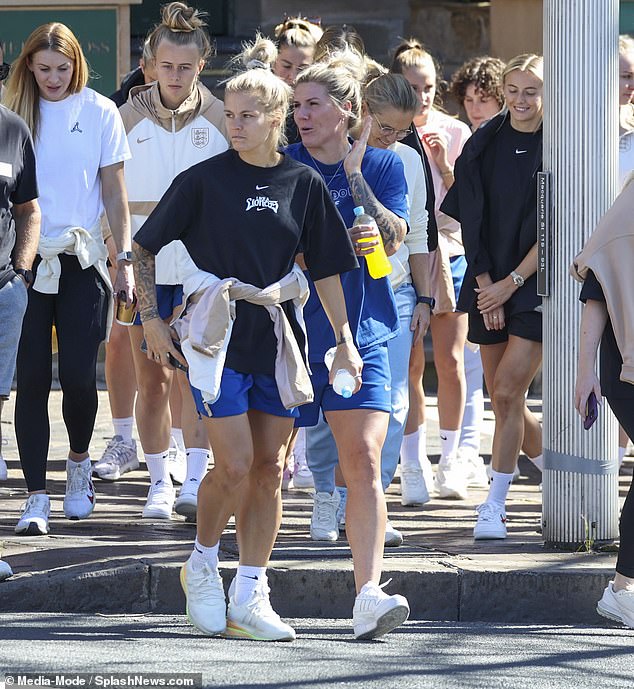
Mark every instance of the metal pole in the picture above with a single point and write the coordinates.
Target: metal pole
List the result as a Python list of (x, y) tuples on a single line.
[(580, 480)]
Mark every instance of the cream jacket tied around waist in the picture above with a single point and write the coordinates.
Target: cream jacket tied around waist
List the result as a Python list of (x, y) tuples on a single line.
[(205, 331), (90, 251)]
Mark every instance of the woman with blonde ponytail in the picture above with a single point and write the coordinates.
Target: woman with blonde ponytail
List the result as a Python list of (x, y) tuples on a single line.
[(243, 216), (80, 147)]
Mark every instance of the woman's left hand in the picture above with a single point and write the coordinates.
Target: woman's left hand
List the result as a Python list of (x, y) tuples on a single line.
[(348, 358), (438, 149), (352, 162), (585, 384), (124, 282), (420, 322), (494, 296)]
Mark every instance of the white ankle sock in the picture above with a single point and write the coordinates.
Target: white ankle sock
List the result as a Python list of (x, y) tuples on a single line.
[(84, 462), (413, 448), (538, 461), (621, 455), (157, 466), (197, 461), (123, 427), (203, 554), (247, 580), (449, 441), (177, 437), (499, 487)]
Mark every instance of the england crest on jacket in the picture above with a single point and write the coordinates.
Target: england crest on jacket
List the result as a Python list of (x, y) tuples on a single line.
[(200, 136)]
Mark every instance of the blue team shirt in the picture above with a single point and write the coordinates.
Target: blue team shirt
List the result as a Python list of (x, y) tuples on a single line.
[(370, 303)]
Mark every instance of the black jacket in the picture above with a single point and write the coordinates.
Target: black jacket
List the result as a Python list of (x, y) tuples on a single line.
[(465, 202), (133, 78), (413, 140)]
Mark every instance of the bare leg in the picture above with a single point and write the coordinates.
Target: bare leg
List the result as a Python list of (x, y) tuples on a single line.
[(359, 434), (194, 431), (416, 415)]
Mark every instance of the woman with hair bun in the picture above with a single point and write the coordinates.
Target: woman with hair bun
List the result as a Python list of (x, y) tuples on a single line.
[(296, 39), (80, 148), (171, 124), (243, 216), (327, 104)]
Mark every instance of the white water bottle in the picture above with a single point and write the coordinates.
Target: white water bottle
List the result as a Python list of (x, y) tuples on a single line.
[(344, 383)]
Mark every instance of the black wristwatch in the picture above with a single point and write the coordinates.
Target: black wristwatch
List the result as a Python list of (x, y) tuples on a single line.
[(26, 274), (430, 301)]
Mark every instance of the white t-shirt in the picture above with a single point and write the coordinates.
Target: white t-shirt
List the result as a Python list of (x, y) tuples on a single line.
[(77, 136), (626, 156)]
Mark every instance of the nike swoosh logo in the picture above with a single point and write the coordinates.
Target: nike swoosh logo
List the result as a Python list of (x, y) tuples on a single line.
[(442, 437), (260, 209), (518, 152), (259, 188), (140, 141), (246, 576)]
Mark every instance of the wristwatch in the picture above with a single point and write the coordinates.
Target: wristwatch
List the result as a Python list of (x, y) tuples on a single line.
[(430, 301), (124, 256), (518, 280), (26, 274)]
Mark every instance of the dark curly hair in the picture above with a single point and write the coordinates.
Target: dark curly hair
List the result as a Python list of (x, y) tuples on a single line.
[(485, 73)]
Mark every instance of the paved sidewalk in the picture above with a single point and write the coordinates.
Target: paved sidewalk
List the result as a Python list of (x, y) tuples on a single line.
[(117, 562)]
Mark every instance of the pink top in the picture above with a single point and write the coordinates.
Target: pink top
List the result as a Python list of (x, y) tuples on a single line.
[(455, 133)]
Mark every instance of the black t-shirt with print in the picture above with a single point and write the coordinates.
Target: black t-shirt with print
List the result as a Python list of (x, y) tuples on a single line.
[(239, 220), (610, 359), (17, 176)]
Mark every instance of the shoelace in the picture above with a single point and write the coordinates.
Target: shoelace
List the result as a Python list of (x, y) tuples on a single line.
[(34, 503), (323, 512), (78, 480), (207, 585), (487, 512), (114, 453)]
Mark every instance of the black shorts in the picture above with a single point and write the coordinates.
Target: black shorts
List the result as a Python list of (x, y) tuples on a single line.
[(527, 325)]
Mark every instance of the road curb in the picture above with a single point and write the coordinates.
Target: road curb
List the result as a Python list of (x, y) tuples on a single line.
[(438, 593)]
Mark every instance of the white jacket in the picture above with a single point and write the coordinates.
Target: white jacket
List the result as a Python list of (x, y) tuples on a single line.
[(165, 143)]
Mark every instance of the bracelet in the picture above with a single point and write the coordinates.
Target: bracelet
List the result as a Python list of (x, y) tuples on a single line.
[(344, 339), (446, 173), (430, 301)]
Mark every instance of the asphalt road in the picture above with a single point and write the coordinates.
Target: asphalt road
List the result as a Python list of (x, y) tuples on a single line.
[(420, 654)]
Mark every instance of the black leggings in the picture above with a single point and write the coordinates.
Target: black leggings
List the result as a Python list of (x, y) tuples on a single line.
[(79, 313), (624, 411)]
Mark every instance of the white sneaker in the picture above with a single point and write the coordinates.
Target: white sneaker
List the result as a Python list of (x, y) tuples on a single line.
[(413, 488), (177, 465), (451, 479), (119, 457), (516, 472), (341, 510), (79, 501), (303, 476), (256, 619), (491, 522), (617, 605), (323, 523), (5, 570), (375, 613), (187, 499), (4, 474), (475, 470), (35, 514), (393, 537), (206, 605), (286, 478), (160, 501)]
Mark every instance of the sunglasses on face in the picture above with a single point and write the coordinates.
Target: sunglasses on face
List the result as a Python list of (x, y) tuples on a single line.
[(389, 132), (4, 71)]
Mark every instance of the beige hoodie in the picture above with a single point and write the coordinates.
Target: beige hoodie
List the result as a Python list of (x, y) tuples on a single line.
[(609, 253), (164, 143)]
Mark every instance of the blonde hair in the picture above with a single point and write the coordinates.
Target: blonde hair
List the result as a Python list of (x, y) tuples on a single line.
[(273, 95), (22, 92), (297, 31), (410, 53), (259, 53), (181, 25), (527, 62), (341, 76), (626, 44), (390, 90), (339, 39)]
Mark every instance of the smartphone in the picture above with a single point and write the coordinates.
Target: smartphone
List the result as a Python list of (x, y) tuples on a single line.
[(592, 411), (173, 362)]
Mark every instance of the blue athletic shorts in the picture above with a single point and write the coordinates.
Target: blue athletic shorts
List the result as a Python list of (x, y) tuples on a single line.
[(240, 392), (375, 392), (168, 298), (458, 270)]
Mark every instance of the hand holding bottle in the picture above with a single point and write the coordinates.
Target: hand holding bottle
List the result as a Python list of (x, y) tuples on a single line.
[(345, 366)]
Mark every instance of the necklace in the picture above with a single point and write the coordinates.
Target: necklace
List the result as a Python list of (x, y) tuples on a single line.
[(328, 182)]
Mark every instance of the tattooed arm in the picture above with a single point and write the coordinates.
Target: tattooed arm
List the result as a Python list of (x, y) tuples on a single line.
[(158, 335), (391, 227)]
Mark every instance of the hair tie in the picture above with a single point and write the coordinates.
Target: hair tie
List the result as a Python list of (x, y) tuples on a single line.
[(257, 64)]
